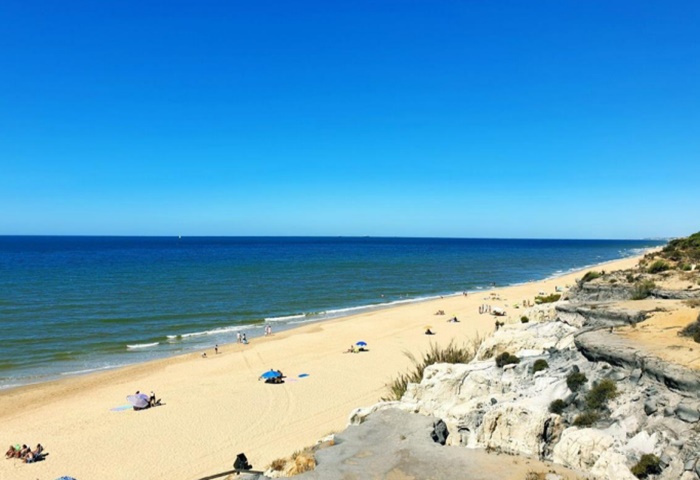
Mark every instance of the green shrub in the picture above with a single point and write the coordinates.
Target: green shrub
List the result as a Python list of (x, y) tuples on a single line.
[(539, 365), (586, 419), (691, 330), (642, 289), (557, 406), (685, 250), (647, 465), (548, 299), (451, 353), (630, 278), (524, 319), (685, 267), (658, 266), (590, 276), (506, 359), (613, 280), (575, 380), (601, 392)]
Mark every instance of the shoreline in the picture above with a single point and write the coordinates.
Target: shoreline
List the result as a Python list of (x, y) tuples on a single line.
[(283, 327), (215, 408)]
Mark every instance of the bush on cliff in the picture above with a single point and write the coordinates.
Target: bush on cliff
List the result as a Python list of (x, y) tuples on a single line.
[(575, 380), (586, 419), (658, 267), (557, 406), (647, 465), (506, 359), (598, 396), (643, 289), (524, 319), (692, 330), (452, 353), (685, 250), (539, 365), (590, 276), (548, 299)]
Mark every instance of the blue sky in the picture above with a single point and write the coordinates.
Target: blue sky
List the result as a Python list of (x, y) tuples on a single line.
[(552, 119)]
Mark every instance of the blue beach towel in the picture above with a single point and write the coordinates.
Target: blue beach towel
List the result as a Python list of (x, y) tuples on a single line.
[(302, 375), (121, 408)]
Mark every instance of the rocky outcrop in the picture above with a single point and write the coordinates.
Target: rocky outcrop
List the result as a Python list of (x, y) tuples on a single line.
[(601, 292), (507, 409), (599, 346), (395, 444), (598, 315), (597, 292)]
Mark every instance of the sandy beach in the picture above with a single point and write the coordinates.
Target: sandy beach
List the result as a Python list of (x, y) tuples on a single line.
[(215, 407)]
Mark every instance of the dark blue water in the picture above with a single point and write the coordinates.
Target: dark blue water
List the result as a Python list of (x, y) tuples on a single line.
[(75, 304)]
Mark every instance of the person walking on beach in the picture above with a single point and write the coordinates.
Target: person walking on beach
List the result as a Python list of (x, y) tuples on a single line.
[(238, 337), (216, 349)]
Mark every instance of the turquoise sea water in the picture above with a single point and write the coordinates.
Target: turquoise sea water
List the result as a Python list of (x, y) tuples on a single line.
[(71, 305)]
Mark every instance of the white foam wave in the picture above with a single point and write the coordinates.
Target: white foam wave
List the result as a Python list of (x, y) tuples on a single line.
[(142, 345), (286, 317), (215, 331), (88, 370)]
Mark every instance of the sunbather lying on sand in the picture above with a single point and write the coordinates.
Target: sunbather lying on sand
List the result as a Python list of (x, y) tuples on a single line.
[(34, 455), (13, 451)]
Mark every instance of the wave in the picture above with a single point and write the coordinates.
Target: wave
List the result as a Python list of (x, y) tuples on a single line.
[(88, 370), (287, 317), (214, 331), (142, 345)]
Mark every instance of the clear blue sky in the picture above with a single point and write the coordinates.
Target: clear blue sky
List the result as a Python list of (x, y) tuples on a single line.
[(565, 119)]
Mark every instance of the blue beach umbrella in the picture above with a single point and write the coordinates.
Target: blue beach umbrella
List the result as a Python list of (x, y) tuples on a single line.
[(270, 374), (361, 344)]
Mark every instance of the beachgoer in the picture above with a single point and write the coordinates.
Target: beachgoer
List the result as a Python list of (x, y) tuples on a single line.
[(24, 451), (238, 337), (13, 451), (244, 339), (152, 402), (34, 455), (204, 355), (429, 332), (216, 349), (350, 350)]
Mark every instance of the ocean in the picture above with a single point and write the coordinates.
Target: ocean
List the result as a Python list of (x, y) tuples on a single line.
[(73, 305)]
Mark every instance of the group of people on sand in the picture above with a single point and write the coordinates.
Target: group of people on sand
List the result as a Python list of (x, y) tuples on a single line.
[(152, 402), (24, 453), (355, 349), (241, 338), (278, 378)]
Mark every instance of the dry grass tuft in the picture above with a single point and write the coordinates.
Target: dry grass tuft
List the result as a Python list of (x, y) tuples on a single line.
[(278, 464), (435, 354), (303, 462)]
